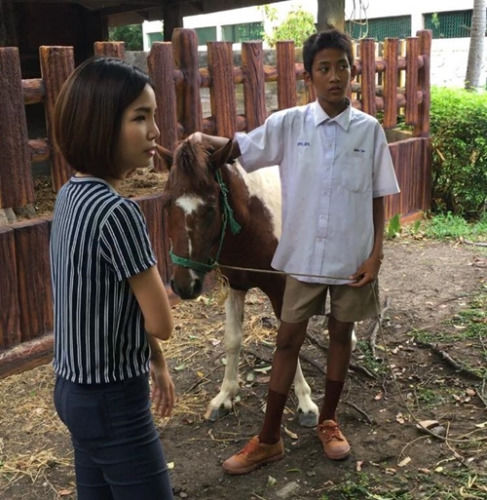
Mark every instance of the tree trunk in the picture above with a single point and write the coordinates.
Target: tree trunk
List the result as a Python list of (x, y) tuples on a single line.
[(331, 13), (476, 49)]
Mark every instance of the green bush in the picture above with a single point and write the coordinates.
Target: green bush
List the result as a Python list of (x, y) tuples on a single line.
[(459, 135)]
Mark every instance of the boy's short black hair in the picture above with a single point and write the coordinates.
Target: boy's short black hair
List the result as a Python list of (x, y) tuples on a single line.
[(328, 39), (88, 113)]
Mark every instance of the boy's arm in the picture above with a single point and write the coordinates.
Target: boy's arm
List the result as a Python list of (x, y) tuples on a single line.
[(369, 270), (216, 141)]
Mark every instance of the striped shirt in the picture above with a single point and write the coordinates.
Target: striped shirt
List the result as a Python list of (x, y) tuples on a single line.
[(98, 240)]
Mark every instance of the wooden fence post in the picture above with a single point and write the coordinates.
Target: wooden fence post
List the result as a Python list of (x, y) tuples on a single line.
[(161, 70), (367, 60), (9, 300), (222, 90), (34, 280), (286, 75), (391, 46), (16, 183), (155, 216), (422, 128), (109, 49), (57, 63), (185, 45), (412, 53), (253, 84)]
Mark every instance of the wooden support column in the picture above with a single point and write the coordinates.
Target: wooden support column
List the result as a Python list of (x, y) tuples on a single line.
[(161, 71), (34, 279), (155, 216), (109, 49), (222, 91), (9, 300), (367, 59), (412, 52), (253, 84), (391, 51), (185, 46), (57, 63), (286, 75), (16, 183), (422, 128)]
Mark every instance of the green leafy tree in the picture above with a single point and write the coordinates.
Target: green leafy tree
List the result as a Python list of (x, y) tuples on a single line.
[(297, 26), (131, 34)]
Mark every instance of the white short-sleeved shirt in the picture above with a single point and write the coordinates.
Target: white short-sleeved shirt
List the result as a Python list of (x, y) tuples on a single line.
[(331, 169)]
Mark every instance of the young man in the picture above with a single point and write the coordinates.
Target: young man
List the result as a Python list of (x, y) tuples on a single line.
[(335, 169)]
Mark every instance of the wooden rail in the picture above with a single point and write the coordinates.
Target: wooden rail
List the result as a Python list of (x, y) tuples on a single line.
[(390, 81)]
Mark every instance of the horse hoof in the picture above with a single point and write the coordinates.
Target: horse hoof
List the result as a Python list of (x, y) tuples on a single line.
[(308, 419), (213, 414)]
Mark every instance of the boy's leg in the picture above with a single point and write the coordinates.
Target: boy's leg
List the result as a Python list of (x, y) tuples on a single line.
[(334, 442), (268, 446), (338, 360), (290, 338)]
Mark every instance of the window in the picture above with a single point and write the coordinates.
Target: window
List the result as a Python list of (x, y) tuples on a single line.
[(380, 28), (157, 36), (237, 33), (449, 24), (207, 34)]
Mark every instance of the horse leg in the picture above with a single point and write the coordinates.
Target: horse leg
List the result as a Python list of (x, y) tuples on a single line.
[(221, 404), (307, 409)]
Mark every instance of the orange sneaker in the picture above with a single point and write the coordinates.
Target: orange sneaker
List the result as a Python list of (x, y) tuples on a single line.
[(253, 455), (335, 444)]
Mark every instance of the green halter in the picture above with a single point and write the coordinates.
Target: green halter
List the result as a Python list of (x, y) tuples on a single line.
[(227, 219)]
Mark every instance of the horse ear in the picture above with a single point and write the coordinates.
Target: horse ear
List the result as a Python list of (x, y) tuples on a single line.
[(166, 155), (222, 155)]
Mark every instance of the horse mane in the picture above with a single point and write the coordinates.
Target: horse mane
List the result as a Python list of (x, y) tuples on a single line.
[(190, 166)]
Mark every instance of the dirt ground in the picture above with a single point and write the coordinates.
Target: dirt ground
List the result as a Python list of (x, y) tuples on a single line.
[(430, 364)]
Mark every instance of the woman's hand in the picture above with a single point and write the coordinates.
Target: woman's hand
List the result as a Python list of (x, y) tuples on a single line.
[(163, 393)]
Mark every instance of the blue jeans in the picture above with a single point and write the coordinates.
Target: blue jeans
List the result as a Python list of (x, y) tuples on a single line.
[(117, 451)]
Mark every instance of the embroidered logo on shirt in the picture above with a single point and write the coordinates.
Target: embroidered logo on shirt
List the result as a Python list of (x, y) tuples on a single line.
[(303, 143)]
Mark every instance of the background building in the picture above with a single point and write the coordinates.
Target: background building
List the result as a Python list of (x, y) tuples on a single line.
[(448, 19)]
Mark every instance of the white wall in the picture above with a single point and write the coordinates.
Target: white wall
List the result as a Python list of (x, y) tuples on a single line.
[(448, 57)]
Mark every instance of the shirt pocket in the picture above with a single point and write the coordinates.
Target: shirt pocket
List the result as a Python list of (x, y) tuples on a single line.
[(355, 172)]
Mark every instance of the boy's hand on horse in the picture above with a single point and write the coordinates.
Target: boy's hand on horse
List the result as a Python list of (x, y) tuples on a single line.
[(163, 392), (367, 272)]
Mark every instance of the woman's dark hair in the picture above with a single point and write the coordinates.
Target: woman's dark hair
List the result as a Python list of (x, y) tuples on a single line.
[(88, 113), (329, 39)]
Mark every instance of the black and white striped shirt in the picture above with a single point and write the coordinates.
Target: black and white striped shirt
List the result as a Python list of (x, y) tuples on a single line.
[(98, 240)]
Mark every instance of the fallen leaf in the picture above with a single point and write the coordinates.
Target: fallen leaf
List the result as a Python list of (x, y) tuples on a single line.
[(470, 392), (404, 462), (358, 465), (400, 418), (424, 471), (427, 424), (200, 374), (65, 492), (170, 465), (390, 471), (271, 481), (483, 425), (439, 469), (180, 367), (379, 396)]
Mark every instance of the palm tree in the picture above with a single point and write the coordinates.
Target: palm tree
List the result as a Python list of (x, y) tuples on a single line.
[(476, 49)]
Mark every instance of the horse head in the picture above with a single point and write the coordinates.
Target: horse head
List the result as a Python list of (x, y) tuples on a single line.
[(192, 200)]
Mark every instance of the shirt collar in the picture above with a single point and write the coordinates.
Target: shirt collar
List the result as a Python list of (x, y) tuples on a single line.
[(343, 119)]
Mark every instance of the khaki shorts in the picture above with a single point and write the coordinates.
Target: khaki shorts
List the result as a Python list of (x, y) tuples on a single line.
[(347, 304)]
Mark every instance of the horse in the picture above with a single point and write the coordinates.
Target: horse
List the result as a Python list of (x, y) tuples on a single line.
[(218, 213)]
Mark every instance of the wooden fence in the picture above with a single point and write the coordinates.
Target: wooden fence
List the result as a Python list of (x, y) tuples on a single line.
[(393, 80)]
